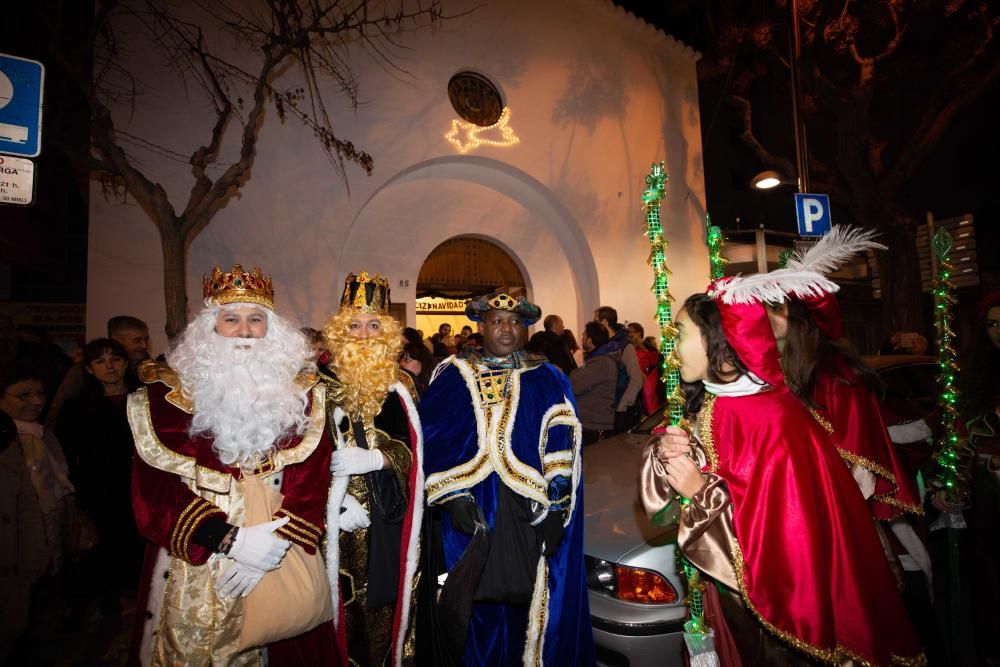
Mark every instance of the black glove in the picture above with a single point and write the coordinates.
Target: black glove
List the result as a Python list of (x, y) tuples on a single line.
[(465, 514), (549, 533)]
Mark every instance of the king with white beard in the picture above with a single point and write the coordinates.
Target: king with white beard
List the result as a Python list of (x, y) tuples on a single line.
[(238, 404)]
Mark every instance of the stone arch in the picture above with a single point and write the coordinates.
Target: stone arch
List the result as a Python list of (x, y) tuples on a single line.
[(511, 182)]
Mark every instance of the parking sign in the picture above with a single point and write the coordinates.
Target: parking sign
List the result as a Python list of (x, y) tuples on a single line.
[(21, 84), (813, 214)]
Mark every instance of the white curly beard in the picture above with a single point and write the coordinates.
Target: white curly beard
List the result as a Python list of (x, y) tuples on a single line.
[(243, 389)]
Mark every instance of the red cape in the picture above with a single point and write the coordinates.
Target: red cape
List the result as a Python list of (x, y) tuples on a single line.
[(861, 436), (809, 563)]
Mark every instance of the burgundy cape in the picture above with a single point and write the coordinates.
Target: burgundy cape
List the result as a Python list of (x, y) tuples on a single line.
[(808, 561), (168, 513)]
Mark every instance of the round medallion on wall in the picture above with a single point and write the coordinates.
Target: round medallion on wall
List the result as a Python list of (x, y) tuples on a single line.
[(475, 98)]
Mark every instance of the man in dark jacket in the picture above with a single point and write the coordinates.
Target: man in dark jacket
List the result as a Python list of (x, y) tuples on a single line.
[(594, 384)]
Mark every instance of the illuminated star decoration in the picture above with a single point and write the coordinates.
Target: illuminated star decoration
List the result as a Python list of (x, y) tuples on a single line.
[(469, 136), (953, 451)]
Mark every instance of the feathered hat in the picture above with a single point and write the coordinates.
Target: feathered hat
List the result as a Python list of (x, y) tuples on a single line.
[(746, 326), (831, 252)]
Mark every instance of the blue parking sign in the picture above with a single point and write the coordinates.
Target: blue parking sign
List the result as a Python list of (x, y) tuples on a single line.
[(21, 84), (813, 214)]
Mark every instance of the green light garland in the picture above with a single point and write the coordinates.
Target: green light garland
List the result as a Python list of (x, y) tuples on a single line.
[(715, 241), (953, 451), (656, 190)]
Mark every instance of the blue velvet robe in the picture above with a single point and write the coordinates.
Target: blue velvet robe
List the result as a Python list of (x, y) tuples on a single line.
[(533, 446)]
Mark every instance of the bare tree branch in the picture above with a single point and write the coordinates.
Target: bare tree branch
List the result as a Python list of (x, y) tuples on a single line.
[(784, 166)]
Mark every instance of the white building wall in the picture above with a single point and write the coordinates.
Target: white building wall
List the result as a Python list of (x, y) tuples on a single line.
[(596, 96)]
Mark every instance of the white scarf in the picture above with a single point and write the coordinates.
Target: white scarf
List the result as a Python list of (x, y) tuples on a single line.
[(744, 385)]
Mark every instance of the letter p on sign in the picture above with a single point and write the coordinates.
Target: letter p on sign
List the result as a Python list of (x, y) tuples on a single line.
[(813, 214)]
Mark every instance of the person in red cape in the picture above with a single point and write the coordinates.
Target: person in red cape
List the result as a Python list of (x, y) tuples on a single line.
[(233, 404), (774, 516), (376, 501), (830, 379)]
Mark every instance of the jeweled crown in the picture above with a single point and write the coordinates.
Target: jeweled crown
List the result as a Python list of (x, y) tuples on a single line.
[(366, 294), (239, 286)]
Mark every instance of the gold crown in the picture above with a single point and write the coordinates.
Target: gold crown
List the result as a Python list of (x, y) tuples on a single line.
[(366, 294), (239, 286)]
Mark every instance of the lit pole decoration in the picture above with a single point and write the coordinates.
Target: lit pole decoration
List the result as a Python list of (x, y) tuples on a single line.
[(714, 241), (697, 635), (953, 452)]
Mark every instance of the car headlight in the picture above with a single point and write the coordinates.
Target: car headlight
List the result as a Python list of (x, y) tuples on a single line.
[(632, 584)]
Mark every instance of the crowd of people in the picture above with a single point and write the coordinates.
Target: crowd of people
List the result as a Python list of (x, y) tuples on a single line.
[(360, 494)]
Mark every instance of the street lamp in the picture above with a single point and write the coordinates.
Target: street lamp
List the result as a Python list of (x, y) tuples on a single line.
[(766, 180)]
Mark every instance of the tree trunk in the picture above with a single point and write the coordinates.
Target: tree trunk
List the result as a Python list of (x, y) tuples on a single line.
[(174, 277), (899, 273)]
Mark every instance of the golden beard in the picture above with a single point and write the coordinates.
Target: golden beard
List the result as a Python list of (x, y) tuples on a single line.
[(365, 366)]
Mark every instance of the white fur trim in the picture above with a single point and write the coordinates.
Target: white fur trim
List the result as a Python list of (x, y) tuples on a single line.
[(440, 368), (338, 489), (413, 548), (914, 431), (538, 617), (154, 606)]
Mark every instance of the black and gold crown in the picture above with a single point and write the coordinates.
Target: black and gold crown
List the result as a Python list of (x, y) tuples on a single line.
[(239, 286), (528, 311), (366, 294)]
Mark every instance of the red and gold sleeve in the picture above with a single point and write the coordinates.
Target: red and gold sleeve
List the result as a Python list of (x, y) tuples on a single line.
[(305, 486), (168, 513)]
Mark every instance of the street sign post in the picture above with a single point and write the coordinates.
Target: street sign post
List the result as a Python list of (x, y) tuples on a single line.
[(17, 181), (813, 214), (21, 85)]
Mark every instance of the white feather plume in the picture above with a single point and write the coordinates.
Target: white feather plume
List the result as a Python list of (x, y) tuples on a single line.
[(834, 250), (775, 286)]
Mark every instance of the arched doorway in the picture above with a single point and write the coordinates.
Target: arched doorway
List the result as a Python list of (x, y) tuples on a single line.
[(457, 270), (420, 207)]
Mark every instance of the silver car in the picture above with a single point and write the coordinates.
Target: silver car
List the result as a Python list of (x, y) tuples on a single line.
[(636, 594)]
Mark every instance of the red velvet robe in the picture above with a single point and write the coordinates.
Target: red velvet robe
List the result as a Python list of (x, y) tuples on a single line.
[(168, 512), (808, 560), (862, 439)]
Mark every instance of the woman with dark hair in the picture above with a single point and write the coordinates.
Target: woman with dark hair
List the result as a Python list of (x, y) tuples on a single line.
[(775, 518), (980, 395), (834, 382), (416, 359), (22, 397), (95, 431)]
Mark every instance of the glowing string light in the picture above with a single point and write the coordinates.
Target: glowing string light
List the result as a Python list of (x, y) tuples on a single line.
[(715, 241), (469, 136), (953, 452), (652, 198)]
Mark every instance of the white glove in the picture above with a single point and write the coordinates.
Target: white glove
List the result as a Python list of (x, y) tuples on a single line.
[(356, 461), (238, 581), (258, 547), (353, 515)]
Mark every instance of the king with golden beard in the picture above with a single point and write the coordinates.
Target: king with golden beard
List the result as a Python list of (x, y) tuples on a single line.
[(376, 498)]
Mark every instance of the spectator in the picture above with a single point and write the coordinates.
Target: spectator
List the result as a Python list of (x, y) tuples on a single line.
[(476, 340), (627, 409), (23, 399), (550, 343), (133, 334), (594, 384), (24, 556), (95, 433), (466, 331), (417, 360), (649, 364), (574, 347)]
